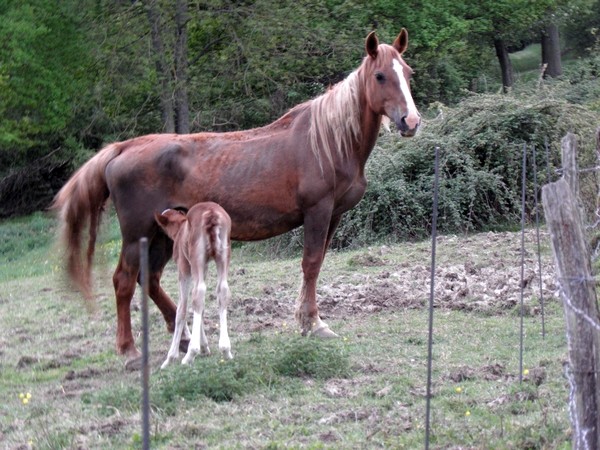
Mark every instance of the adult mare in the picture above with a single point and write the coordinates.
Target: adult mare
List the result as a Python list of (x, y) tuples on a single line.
[(306, 168)]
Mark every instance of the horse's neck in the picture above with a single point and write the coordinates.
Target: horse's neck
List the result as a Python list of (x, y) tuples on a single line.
[(370, 125)]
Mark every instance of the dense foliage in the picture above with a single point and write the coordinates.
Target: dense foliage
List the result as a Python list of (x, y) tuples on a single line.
[(79, 74), (42, 74), (481, 146)]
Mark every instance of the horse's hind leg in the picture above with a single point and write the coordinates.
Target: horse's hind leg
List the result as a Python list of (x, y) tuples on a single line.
[(223, 297), (124, 280), (159, 253)]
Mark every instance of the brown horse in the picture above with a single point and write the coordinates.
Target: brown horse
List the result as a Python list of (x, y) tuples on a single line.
[(306, 168)]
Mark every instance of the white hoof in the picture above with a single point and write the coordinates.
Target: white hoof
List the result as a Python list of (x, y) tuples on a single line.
[(322, 330), (324, 333), (189, 356)]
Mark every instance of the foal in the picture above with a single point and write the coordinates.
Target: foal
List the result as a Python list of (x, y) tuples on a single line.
[(199, 236)]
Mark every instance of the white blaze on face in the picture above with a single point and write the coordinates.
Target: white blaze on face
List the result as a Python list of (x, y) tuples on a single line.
[(412, 115)]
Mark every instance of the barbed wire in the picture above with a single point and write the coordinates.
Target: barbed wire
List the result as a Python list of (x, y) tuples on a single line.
[(580, 312), (580, 441), (581, 435)]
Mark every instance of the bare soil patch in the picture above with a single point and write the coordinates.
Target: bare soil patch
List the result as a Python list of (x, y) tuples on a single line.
[(481, 274)]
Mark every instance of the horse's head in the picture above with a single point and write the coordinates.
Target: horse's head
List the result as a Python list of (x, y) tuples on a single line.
[(387, 79), (171, 220)]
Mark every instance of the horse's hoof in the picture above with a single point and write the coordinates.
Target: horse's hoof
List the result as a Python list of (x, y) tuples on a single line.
[(133, 364), (183, 345), (324, 332)]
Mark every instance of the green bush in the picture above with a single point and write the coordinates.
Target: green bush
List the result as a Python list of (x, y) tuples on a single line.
[(306, 357), (481, 143)]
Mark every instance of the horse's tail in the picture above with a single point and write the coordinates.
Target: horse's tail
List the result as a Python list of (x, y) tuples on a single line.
[(78, 204), (216, 232)]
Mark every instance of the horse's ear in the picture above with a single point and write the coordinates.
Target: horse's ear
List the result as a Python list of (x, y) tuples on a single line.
[(401, 41), (170, 221), (371, 45), (161, 219)]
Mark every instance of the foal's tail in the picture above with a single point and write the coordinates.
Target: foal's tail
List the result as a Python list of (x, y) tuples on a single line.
[(78, 204), (217, 232)]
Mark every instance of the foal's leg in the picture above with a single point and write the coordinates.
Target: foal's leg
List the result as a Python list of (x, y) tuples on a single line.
[(317, 224), (223, 297), (161, 250), (180, 321), (198, 342)]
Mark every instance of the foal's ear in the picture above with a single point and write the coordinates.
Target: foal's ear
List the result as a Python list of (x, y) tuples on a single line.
[(401, 41), (161, 219), (371, 45)]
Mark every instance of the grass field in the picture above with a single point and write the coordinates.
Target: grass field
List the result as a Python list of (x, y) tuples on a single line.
[(63, 386)]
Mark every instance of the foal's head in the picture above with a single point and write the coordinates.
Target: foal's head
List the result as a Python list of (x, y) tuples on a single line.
[(387, 83), (171, 220)]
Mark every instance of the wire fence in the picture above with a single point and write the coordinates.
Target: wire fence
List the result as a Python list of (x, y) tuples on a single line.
[(583, 436), (581, 433)]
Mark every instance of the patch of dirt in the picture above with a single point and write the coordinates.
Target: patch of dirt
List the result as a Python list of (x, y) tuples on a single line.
[(344, 388), (492, 372), (267, 306), (85, 373), (109, 428), (329, 436), (26, 361), (351, 415), (481, 273)]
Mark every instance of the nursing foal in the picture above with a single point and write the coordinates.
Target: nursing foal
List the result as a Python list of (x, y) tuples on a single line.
[(199, 236)]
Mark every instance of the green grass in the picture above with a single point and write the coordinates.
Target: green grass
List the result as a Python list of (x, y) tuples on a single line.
[(281, 390), (528, 59)]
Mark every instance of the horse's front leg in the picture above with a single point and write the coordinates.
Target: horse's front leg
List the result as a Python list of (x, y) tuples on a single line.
[(317, 225)]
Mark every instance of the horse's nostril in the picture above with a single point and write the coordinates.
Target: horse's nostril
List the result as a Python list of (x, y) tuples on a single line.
[(407, 125), (403, 125)]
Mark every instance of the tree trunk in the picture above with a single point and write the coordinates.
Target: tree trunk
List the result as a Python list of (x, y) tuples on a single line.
[(551, 51), (505, 64), (162, 69), (182, 111)]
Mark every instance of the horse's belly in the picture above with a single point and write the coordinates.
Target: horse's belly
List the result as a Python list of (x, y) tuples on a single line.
[(262, 224)]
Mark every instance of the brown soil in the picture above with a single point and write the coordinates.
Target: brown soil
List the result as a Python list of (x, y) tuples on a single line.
[(466, 278)]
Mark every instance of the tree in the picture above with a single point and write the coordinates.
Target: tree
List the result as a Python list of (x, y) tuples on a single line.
[(506, 70), (504, 25), (44, 57), (162, 69), (182, 112), (173, 84), (551, 58)]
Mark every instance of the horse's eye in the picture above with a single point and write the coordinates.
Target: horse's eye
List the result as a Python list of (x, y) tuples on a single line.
[(380, 77)]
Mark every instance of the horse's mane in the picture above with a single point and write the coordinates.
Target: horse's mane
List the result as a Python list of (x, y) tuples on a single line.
[(335, 119)]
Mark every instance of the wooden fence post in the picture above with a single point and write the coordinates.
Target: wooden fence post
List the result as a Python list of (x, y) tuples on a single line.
[(569, 162), (573, 266)]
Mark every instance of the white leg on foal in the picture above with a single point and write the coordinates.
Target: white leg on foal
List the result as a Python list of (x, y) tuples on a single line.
[(198, 342), (223, 296), (180, 321)]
